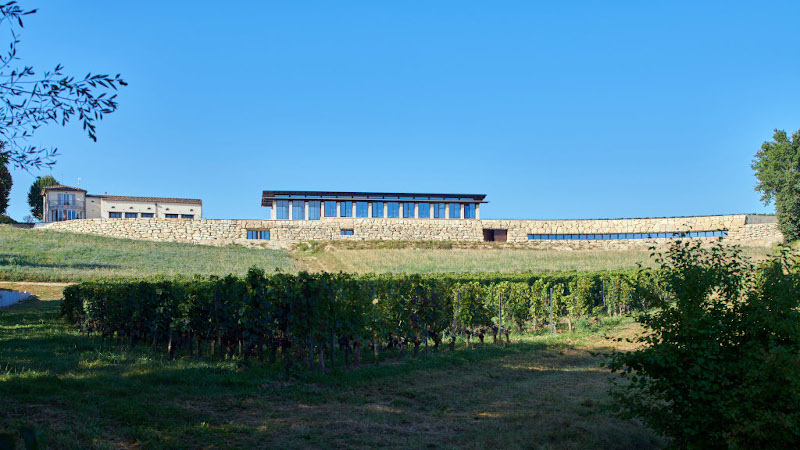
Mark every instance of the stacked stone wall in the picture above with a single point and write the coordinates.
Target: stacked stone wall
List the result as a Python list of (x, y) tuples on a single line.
[(287, 232)]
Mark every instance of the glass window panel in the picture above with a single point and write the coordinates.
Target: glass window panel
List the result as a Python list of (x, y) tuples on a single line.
[(362, 209), (330, 209), (455, 210), (393, 209), (346, 209), (187, 216), (147, 215), (377, 209), (424, 210), (114, 215), (346, 232), (439, 210), (282, 209), (408, 210), (169, 216), (469, 211), (298, 210), (314, 210), (130, 215)]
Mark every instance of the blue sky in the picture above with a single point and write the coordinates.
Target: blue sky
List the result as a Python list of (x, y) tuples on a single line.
[(552, 109)]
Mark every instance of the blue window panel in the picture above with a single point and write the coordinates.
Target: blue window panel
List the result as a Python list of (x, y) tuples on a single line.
[(187, 216), (298, 210), (393, 209), (469, 211), (346, 232), (362, 209), (345, 209), (282, 209), (530, 237), (723, 233), (424, 210), (131, 215), (377, 209), (455, 210), (439, 210), (408, 210), (590, 237), (314, 210), (115, 215), (559, 237), (330, 209), (146, 215), (258, 234), (171, 216)]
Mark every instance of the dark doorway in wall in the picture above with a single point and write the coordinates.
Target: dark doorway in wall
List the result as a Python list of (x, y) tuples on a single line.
[(495, 235)]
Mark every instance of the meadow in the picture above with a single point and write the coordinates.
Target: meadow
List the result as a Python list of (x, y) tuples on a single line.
[(542, 391), (42, 255)]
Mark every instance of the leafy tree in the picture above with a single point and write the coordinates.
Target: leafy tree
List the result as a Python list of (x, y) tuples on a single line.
[(35, 194), (718, 366), (5, 182), (777, 167), (29, 101)]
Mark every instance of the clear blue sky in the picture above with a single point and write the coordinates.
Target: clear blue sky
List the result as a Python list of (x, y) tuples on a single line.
[(554, 110)]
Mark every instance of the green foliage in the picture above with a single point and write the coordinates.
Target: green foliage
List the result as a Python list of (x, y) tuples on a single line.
[(35, 194), (777, 167), (720, 364), (306, 316), (5, 181), (4, 219)]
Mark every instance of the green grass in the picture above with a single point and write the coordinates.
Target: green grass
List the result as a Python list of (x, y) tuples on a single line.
[(542, 391), (42, 255), (490, 259)]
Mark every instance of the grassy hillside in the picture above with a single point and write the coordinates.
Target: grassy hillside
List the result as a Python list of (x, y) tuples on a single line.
[(80, 392), (42, 255)]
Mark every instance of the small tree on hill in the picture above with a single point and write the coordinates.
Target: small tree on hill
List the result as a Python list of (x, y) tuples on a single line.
[(35, 194), (5, 182), (777, 167)]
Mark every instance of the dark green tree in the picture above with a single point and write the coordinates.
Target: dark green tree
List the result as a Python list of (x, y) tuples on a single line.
[(35, 194), (5, 182), (29, 100), (777, 167)]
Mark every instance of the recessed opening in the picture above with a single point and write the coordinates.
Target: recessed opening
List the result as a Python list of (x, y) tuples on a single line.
[(494, 235)]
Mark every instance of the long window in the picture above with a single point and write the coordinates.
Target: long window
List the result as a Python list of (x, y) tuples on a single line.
[(393, 209), (362, 209), (330, 209), (116, 215), (171, 216), (313, 209), (377, 209), (146, 215), (258, 234), (131, 215), (298, 210), (346, 209), (469, 210), (282, 209), (455, 210), (408, 210), (614, 237), (66, 199), (346, 232), (424, 210), (439, 210), (187, 216)]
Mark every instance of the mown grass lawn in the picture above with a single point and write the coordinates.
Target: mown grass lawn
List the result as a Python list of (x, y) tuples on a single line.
[(46, 255), (541, 391)]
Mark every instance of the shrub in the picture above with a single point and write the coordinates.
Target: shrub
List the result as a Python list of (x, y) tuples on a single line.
[(720, 366)]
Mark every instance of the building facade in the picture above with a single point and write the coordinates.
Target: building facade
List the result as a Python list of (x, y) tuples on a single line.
[(318, 205), (61, 203)]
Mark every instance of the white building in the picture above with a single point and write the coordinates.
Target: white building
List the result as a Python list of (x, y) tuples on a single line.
[(61, 203)]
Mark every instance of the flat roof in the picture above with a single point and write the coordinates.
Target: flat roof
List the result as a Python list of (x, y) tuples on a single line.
[(126, 198), (268, 196)]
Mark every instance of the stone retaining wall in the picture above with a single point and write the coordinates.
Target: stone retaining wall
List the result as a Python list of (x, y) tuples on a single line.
[(286, 232)]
